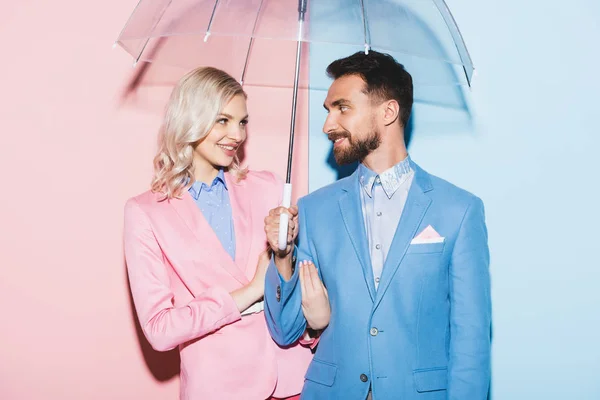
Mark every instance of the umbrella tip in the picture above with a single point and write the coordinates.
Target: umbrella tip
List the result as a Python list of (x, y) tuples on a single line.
[(206, 37), (134, 64), (473, 78), (367, 48), (114, 46)]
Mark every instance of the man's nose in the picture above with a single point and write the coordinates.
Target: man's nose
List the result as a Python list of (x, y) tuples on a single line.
[(330, 124)]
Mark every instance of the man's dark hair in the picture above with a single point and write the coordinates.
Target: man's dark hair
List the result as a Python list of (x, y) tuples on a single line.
[(385, 78)]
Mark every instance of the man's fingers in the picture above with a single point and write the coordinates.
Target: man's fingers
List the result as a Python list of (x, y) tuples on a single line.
[(272, 219), (276, 211), (293, 211), (291, 225)]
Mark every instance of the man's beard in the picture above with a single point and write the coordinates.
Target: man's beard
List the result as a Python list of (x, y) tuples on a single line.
[(356, 150)]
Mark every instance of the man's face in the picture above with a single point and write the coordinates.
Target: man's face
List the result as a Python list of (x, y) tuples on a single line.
[(351, 120)]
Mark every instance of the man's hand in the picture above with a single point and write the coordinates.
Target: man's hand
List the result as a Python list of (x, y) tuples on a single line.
[(283, 258), (272, 229), (315, 301)]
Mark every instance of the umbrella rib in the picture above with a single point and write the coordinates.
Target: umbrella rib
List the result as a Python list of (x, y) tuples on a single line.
[(127, 23), (457, 38), (365, 27), (250, 44), (151, 31), (212, 16)]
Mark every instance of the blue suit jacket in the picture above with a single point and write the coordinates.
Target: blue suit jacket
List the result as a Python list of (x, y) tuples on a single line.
[(425, 332)]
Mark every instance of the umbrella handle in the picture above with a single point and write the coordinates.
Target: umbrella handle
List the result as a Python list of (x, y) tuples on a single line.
[(284, 218)]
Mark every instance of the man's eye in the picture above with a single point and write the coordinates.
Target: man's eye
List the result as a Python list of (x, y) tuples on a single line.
[(343, 108)]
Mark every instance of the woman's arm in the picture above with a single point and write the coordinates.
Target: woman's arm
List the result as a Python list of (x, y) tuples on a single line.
[(164, 325), (248, 295)]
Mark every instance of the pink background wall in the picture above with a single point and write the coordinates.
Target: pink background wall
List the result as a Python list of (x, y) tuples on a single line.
[(75, 145)]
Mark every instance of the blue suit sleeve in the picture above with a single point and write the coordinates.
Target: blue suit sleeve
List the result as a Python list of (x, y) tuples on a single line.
[(470, 309), (283, 299)]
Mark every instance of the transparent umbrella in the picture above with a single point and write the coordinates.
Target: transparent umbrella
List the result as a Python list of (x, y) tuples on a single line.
[(288, 44)]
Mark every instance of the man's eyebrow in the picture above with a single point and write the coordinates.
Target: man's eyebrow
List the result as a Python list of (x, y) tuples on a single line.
[(340, 102), (337, 103)]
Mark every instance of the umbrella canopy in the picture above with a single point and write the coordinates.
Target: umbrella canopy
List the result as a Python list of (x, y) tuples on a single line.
[(270, 42), (236, 35)]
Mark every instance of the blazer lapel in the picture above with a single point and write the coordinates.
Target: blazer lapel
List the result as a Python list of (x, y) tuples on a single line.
[(241, 206), (207, 240), (352, 214), (416, 205)]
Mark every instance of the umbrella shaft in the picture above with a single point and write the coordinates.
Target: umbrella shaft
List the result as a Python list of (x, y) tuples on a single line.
[(302, 8), (294, 102)]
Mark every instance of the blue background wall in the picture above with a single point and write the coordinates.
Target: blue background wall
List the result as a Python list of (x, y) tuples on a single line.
[(528, 146)]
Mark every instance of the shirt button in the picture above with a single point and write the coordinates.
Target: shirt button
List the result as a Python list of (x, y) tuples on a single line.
[(377, 279), (278, 293), (364, 378), (378, 246), (379, 213), (373, 331)]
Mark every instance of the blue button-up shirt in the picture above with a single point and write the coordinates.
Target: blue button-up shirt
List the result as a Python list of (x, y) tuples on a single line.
[(383, 198), (214, 203)]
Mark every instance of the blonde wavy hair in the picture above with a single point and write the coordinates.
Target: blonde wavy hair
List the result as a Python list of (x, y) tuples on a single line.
[(190, 114)]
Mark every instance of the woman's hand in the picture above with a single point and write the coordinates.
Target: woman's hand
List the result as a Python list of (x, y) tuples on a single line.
[(255, 290), (258, 281), (315, 300)]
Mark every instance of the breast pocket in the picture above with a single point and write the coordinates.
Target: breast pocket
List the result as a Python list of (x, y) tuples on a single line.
[(425, 248)]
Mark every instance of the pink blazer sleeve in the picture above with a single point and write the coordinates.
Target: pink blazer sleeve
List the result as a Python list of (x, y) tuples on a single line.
[(164, 325)]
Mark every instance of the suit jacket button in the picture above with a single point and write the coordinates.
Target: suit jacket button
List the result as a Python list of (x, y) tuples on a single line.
[(374, 331), (364, 378)]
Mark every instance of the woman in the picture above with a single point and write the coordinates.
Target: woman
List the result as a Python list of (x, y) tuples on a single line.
[(196, 250)]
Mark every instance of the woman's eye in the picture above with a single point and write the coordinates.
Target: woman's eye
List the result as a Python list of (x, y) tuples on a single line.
[(222, 121), (244, 122)]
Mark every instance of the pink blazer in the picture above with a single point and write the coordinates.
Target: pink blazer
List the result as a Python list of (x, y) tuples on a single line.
[(181, 278)]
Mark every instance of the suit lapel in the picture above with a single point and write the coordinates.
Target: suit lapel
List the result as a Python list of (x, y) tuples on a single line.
[(206, 239), (242, 220), (352, 214), (416, 205)]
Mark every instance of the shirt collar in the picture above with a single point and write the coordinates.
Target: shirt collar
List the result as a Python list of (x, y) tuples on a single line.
[(197, 187), (390, 179)]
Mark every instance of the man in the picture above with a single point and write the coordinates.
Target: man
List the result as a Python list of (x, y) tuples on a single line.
[(403, 255)]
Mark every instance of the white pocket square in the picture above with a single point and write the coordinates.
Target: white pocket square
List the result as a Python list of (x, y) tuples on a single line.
[(428, 235)]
